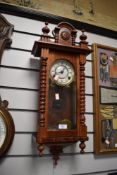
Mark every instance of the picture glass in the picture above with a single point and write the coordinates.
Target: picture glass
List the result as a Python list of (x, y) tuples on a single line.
[(105, 98)]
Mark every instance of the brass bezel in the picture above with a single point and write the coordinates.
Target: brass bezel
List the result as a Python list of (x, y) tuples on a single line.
[(55, 82)]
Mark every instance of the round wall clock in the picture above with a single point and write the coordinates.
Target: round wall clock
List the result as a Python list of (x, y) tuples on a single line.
[(7, 128), (62, 72)]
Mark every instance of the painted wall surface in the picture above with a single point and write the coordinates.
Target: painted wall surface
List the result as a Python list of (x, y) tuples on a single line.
[(96, 12), (19, 80)]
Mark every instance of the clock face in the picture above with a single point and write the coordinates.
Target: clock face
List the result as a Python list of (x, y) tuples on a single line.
[(3, 131), (62, 72)]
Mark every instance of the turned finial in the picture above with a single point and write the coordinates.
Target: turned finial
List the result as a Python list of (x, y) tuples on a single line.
[(45, 29), (83, 37)]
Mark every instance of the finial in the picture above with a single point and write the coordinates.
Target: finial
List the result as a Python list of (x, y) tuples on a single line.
[(83, 37), (45, 29)]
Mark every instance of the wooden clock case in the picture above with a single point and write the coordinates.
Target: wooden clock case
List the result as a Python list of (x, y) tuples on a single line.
[(62, 46)]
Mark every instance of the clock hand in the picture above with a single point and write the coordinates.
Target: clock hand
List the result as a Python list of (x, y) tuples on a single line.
[(62, 71)]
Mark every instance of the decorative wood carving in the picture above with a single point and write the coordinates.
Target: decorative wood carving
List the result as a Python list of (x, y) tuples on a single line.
[(6, 30), (55, 114)]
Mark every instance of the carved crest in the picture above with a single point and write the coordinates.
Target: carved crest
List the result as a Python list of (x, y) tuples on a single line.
[(6, 30)]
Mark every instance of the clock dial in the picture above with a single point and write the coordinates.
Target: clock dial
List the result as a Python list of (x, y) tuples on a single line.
[(3, 131), (62, 72)]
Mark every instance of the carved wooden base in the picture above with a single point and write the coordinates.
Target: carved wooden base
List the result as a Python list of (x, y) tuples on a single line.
[(56, 150)]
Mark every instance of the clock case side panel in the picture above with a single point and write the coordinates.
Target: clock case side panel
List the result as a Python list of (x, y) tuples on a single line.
[(82, 125), (43, 98)]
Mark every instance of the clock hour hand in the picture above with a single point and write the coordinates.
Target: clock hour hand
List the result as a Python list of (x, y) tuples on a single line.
[(63, 70)]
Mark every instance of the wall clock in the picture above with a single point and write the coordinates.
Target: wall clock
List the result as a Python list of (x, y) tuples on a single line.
[(7, 128), (62, 89)]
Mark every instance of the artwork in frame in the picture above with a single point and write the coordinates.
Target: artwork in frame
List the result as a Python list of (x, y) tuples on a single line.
[(105, 99)]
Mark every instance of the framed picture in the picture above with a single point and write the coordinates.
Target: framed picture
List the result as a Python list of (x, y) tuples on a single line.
[(105, 99)]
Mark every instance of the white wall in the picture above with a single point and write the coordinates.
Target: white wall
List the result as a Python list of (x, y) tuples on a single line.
[(19, 85)]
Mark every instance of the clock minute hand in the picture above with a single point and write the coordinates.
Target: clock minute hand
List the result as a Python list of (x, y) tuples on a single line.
[(62, 71)]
